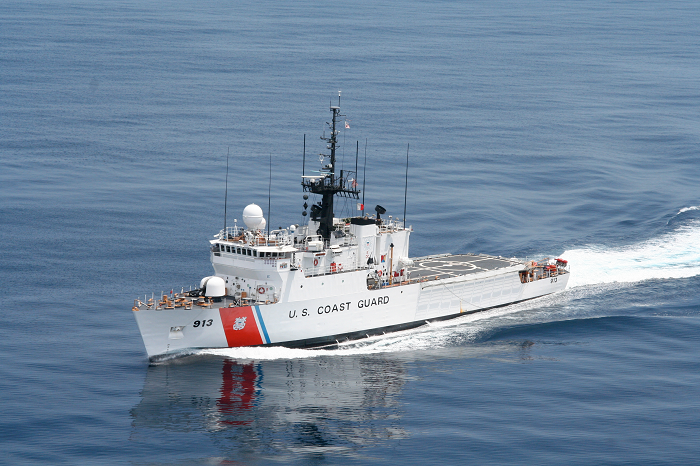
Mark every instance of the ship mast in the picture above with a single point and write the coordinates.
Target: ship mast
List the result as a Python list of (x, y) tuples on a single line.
[(328, 183)]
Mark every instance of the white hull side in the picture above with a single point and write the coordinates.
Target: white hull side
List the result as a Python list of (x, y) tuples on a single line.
[(467, 295), (322, 320)]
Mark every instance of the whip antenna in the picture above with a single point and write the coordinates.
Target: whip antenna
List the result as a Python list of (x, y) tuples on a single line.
[(364, 177), (357, 152), (269, 195), (226, 191), (405, 192)]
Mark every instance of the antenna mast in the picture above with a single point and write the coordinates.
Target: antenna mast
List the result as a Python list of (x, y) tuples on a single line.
[(226, 191), (327, 183), (405, 193), (269, 197), (364, 178)]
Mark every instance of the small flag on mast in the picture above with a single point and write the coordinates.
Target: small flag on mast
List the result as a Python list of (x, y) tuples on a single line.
[(360, 206), (347, 125)]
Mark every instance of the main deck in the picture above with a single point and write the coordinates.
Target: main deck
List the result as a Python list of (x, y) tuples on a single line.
[(447, 266)]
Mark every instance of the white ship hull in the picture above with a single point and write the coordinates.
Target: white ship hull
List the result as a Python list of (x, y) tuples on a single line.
[(330, 319)]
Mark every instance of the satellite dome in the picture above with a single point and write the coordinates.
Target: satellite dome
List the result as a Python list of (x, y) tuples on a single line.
[(215, 287), (203, 282), (253, 216)]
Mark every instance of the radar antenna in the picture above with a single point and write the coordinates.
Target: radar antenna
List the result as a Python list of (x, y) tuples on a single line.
[(328, 183)]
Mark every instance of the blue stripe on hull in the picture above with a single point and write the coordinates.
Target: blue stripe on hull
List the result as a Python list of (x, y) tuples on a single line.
[(262, 324)]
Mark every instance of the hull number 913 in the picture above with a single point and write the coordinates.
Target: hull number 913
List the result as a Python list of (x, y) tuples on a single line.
[(204, 323)]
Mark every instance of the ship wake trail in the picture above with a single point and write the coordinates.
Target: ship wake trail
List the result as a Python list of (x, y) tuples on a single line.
[(432, 337), (675, 254), (687, 209)]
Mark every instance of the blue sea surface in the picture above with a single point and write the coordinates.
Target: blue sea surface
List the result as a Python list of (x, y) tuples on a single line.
[(534, 129)]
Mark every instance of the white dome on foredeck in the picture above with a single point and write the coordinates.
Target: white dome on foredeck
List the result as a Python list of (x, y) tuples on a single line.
[(214, 287), (203, 281), (253, 216)]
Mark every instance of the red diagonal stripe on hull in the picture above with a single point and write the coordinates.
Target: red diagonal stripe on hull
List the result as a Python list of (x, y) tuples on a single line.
[(249, 335)]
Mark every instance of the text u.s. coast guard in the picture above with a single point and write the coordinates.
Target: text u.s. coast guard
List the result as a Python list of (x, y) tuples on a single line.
[(339, 307)]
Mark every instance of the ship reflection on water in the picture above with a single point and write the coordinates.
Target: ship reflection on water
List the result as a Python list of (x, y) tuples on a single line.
[(264, 409)]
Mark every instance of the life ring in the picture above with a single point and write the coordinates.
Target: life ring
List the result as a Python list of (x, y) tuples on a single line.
[(261, 290), (379, 272), (315, 262)]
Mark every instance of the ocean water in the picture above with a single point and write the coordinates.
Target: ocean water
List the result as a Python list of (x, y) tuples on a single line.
[(534, 128)]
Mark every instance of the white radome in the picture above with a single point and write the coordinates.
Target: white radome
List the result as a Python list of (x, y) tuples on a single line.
[(203, 281), (216, 287), (253, 216)]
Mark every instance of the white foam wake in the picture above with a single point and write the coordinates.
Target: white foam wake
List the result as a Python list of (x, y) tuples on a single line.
[(686, 209), (672, 255), (411, 340)]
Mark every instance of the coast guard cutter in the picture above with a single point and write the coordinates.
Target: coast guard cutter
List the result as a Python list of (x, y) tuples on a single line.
[(330, 280)]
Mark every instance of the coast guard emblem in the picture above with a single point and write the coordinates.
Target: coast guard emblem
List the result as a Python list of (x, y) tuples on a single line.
[(239, 324)]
